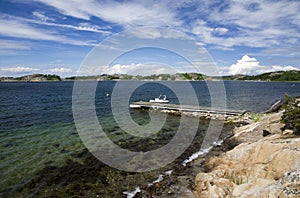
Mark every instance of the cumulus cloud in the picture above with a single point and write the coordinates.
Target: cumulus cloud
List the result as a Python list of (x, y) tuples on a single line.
[(131, 69), (250, 66), (18, 70), (61, 70)]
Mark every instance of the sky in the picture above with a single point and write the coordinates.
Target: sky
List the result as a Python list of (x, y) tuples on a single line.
[(60, 37)]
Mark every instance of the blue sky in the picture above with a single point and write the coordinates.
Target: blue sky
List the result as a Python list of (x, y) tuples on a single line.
[(54, 37)]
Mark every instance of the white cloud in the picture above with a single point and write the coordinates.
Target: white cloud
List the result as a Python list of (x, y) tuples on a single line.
[(61, 70), (19, 29), (15, 28), (250, 66), (154, 33), (41, 16), (262, 24), (134, 13), (84, 26), (74, 8), (141, 69), (131, 69), (23, 70), (81, 26), (10, 45), (242, 23), (18, 70), (221, 31), (280, 68)]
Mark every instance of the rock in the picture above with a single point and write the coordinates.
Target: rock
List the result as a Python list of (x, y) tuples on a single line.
[(264, 164), (257, 188), (287, 132), (254, 132), (276, 127), (291, 184), (242, 134), (208, 186), (257, 167), (266, 133), (272, 118)]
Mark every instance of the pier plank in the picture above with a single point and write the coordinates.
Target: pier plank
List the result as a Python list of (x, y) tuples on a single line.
[(186, 108)]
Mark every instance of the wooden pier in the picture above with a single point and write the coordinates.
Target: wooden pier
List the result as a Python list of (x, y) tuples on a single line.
[(186, 108)]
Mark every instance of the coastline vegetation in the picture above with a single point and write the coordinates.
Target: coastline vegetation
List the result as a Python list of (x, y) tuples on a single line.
[(32, 78), (282, 76), (279, 76)]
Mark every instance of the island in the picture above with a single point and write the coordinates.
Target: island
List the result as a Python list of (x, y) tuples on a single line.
[(278, 76), (32, 78)]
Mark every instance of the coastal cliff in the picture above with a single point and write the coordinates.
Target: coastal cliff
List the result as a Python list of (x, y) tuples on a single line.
[(266, 163)]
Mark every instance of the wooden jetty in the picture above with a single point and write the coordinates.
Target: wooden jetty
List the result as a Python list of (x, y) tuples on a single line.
[(186, 108)]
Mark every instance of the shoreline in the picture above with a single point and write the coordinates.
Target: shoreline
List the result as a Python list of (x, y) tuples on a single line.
[(259, 159), (92, 80), (265, 163)]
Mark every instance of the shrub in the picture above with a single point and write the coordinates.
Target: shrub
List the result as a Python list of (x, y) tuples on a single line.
[(291, 116)]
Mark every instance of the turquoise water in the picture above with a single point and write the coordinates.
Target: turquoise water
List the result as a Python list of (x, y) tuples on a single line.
[(25, 151), (37, 128)]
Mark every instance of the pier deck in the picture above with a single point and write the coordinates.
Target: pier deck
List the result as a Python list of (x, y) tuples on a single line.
[(185, 108)]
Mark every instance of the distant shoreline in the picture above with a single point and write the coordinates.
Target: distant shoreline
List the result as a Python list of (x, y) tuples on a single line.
[(279, 76), (51, 81)]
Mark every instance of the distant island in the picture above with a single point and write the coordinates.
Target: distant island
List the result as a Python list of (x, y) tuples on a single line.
[(32, 78), (280, 76), (293, 75)]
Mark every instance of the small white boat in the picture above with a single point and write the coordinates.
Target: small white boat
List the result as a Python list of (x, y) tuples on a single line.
[(160, 99), (135, 106)]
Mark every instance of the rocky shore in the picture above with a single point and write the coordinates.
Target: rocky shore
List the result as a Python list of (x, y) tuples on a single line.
[(266, 162), (260, 159)]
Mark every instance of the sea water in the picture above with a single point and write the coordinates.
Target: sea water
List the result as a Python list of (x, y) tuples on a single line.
[(37, 127)]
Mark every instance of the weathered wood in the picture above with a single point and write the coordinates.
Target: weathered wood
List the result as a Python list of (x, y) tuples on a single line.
[(186, 108)]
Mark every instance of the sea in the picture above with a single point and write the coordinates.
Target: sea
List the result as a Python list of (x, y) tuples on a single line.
[(39, 142)]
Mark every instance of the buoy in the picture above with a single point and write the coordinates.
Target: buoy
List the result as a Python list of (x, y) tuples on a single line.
[(107, 94)]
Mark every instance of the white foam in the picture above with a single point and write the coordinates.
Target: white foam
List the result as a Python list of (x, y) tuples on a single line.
[(196, 155), (218, 143), (133, 193), (203, 151), (159, 179), (169, 172)]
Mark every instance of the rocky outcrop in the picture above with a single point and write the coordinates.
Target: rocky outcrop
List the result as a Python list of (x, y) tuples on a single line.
[(269, 124), (258, 167)]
